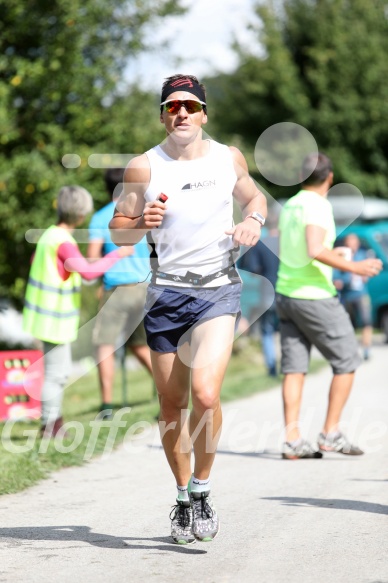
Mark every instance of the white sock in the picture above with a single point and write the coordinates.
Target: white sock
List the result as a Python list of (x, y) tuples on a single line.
[(183, 493), (295, 442), (197, 485), (332, 435)]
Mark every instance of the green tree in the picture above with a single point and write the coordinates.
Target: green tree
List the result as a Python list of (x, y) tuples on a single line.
[(323, 66), (62, 91)]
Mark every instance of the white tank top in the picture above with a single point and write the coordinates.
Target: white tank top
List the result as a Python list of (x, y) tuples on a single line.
[(200, 209)]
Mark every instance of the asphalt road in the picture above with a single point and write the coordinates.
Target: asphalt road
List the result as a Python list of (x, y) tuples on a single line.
[(281, 521)]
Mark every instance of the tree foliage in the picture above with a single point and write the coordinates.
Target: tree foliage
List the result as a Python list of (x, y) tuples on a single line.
[(62, 91), (324, 66)]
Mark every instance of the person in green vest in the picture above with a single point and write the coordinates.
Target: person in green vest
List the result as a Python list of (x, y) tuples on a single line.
[(53, 297), (310, 311)]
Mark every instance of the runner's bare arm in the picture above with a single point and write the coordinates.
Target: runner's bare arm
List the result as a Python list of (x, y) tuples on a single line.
[(133, 217), (250, 200)]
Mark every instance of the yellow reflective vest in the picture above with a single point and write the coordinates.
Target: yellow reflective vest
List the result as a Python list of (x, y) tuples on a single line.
[(52, 305)]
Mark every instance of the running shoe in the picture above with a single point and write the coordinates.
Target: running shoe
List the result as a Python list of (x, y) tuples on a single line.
[(205, 519), (338, 444), (181, 517), (302, 450)]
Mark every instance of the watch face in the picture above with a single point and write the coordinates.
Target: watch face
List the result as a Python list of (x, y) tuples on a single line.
[(258, 217)]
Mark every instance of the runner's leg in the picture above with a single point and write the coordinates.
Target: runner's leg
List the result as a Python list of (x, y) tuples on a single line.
[(172, 379), (211, 347)]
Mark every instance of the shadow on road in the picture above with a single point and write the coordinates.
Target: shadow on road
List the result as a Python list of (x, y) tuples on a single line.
[(84, 534), (267, 453), (334, 503)]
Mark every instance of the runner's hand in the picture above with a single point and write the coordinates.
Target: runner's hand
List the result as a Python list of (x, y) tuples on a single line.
[(245, 233), (152, 215)]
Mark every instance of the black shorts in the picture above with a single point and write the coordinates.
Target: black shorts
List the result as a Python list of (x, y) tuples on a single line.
[(170, 312)]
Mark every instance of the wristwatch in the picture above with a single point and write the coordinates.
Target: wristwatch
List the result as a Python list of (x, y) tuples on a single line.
[(257, 217)]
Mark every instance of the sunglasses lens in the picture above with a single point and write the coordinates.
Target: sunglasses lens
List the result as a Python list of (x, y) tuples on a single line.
[(173, 106), (191, 106)]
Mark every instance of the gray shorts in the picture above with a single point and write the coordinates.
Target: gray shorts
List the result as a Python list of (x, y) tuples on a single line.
[(322, 323), (120, 316)]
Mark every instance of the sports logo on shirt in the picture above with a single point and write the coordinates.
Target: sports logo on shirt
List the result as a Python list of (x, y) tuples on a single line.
[(199, 185)]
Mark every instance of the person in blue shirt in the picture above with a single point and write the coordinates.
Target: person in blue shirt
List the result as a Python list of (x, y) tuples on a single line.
[(263, 259), (354, 294), (120, 317)]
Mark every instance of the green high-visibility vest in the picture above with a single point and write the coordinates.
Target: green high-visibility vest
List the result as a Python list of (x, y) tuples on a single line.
[(52, 305)]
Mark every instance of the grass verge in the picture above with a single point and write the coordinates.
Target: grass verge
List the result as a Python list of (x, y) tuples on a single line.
[(25, 459)]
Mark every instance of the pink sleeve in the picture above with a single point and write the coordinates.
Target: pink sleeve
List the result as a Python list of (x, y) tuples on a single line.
[(72, 260)]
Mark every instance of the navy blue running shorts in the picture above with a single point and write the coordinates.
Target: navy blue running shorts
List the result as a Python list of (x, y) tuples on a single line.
[(171, 312)]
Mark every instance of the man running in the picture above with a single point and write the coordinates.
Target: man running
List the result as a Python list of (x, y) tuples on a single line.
[(194, 296)]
